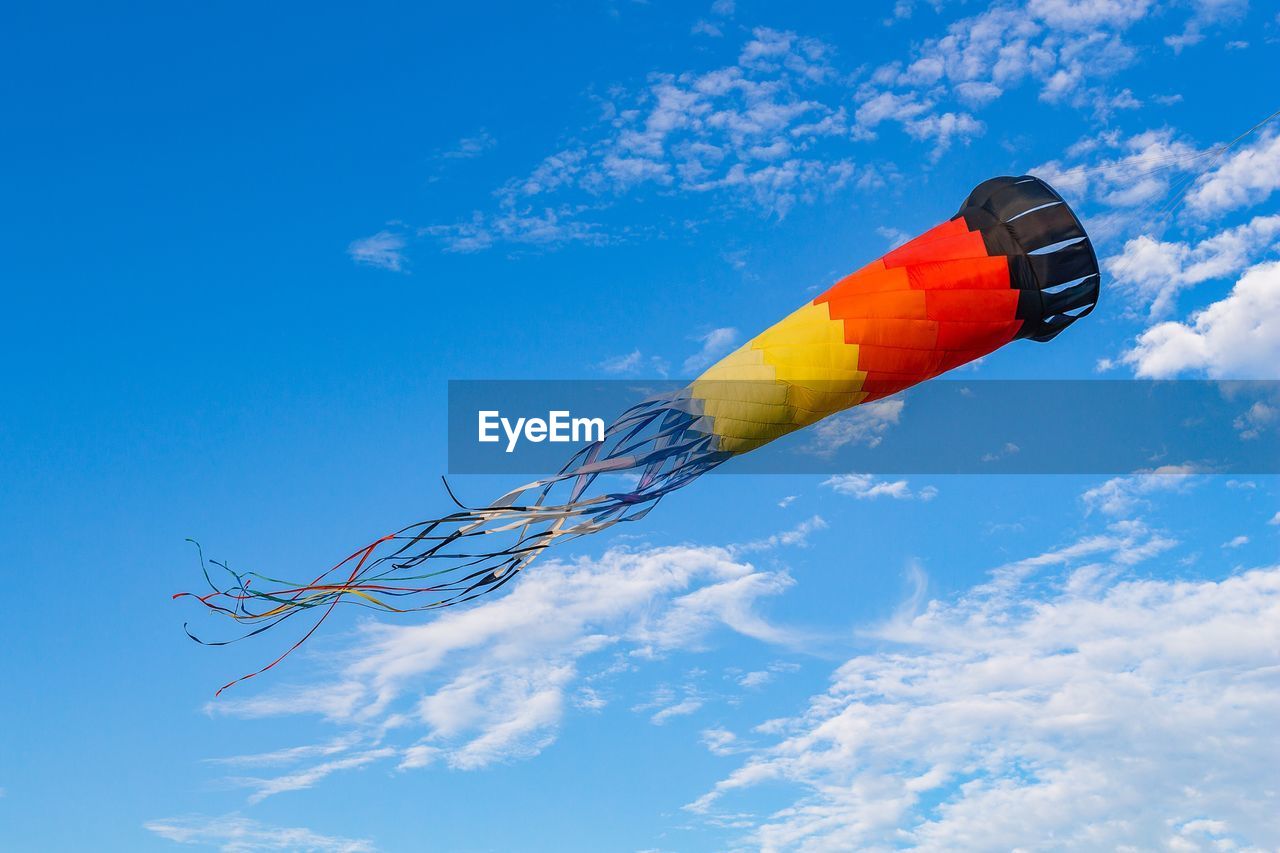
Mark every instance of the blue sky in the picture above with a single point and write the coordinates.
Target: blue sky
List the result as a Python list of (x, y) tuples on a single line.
[(248, 246)]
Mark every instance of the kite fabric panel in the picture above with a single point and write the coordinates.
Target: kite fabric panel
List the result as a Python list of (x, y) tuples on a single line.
[(1014, 262)]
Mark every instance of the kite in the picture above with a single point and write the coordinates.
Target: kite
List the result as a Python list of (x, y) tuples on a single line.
[(1013, 263)]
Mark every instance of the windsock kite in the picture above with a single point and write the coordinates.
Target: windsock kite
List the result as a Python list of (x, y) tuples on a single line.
[(1013, 263)]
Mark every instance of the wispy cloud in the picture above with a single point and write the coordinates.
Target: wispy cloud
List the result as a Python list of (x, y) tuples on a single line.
[(1235, 337), (520, 224), (629, 363), (1256, 420), (1089, 709), (1219, 184), (715, 344), (777, 128), (865, 425), (492, 683), (384, 250), (288, 755), (1207, 15), (635, 363), (743, 131), (1248, 176), (1124, 175), (308, 777), (238, 834), (1155, 271), (1130, 180), (704, 27), (720, 741), (1006, 450), (1123, 497), (666, 704), (470, 147), (680, 709), (1065, 49), (1132, 177), (895, 236), (773, 129), (759, 678), (797, 536), (866, 487)]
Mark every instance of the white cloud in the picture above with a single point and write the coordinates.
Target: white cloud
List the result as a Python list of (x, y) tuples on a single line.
[(1129, 177), (1132, 180), (667, 705), (720, 741), (1064, 47), (1236, 337), (470, 147), (288, 755), (589, 699), (745, 131), (1275, 519), (884, 106), (635, 363), (1006, 450), (918, 580), (1206, 13), (865, 424), (943, 128), (520, 224), (715, 344), (1101, 713), (1255, 420), (490, 683), (756, 678), (774, 129), (1122, 100), (706, 28), (1247, 177), (1155, 271), (628, 363), (1236, 542), (797, 536), (1126, 174), (332, 700), (236, 834), (384, 250), (1124, 496), (895, 236), (307, 777), (867, 487), (683, 708), (1088, 16)]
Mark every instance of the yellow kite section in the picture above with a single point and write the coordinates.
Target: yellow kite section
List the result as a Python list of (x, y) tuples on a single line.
[(798, 371)]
